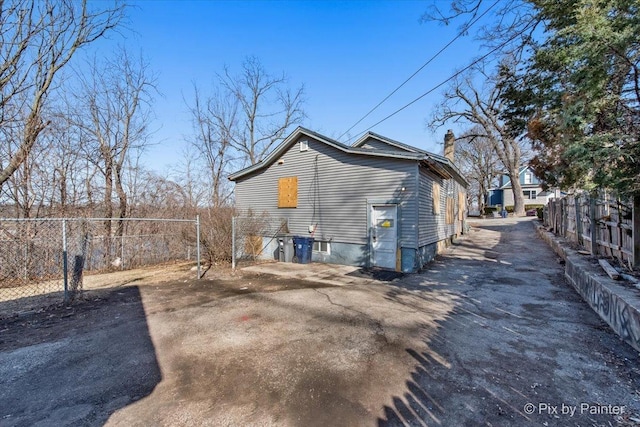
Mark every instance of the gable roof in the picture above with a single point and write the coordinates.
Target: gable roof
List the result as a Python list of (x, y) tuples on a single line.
[(436, 161), (523, 169), (392, 142), (441, 165)]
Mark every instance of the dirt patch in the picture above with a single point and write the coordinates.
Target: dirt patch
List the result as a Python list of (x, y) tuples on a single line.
[(16, 328), (251, 349), (39, 296)]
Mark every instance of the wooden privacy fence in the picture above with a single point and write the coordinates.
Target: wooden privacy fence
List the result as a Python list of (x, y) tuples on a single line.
[(603, 225)]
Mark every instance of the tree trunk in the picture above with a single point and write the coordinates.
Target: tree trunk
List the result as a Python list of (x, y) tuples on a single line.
[(108, 209), (62, 182), (518, 198), (122, 200)]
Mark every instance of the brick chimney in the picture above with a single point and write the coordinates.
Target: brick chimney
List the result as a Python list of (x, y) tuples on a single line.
[(449, 145)]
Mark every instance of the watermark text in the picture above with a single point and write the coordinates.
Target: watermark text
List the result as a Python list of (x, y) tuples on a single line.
[(545, 408)]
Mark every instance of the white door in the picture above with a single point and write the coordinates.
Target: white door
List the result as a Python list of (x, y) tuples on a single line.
[(384, 236)]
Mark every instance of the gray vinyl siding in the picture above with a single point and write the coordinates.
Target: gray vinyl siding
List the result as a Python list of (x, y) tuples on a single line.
[(333, 190), (433, 227)]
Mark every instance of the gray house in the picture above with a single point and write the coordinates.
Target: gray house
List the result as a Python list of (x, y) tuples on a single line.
[(378, 203)]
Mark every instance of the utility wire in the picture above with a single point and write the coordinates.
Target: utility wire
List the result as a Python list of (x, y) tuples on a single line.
[(453, 76), (460, 34)]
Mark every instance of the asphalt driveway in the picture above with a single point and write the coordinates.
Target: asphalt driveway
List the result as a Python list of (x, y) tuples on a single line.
[(489, 335), (520, 347)]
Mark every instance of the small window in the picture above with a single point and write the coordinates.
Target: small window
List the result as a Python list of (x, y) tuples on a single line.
[(527, 178), (529, 194), (304, 145), (533, 194), (319, 246)]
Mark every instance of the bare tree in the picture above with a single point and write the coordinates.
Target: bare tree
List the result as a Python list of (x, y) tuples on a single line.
[(160, 197), (189, 174), (478, 162), (37, 39), (214, 120), (114, 111), (268, 109), (511, 29), (30, 188), (481, 108), (64, 164)]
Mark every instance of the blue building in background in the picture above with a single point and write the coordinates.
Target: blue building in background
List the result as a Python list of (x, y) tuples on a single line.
[(502, 194)]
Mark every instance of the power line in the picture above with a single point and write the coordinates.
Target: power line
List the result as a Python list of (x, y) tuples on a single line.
[(453, 76), (460, 34)]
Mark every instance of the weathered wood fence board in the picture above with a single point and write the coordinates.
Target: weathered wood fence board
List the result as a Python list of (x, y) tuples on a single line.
[(603, 225)]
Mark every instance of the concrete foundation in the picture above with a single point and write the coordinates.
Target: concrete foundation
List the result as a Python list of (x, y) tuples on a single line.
[(615, 302), (426, 254), (412, 260), (344, 254)]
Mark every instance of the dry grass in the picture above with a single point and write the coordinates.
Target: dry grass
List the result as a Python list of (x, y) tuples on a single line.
[(40, 295)]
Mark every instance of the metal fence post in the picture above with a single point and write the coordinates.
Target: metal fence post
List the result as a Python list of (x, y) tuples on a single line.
[(233, 242), (198, 243), (122, 252), (25, 256), (65, 273)]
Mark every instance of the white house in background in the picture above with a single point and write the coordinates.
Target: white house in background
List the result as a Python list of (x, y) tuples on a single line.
[(532, 190)]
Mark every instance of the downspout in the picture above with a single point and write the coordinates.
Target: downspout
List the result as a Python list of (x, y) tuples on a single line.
[(419, 260)]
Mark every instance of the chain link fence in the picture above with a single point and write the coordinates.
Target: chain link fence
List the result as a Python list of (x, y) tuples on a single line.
[(255, 237), (49, 256)]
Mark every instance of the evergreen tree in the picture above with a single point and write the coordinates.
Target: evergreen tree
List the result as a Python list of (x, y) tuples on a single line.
[(578, 96)]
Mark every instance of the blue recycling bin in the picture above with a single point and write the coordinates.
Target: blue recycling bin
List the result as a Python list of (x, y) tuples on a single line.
[(303, 246)]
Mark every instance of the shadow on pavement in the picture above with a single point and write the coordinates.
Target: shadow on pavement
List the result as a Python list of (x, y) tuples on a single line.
[(378, 274), (77, 364), (518, 335)]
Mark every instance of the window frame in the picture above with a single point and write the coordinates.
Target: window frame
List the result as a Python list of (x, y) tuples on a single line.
[(320, 243)]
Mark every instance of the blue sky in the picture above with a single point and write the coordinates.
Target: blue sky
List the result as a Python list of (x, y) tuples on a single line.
[(348, 54)]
